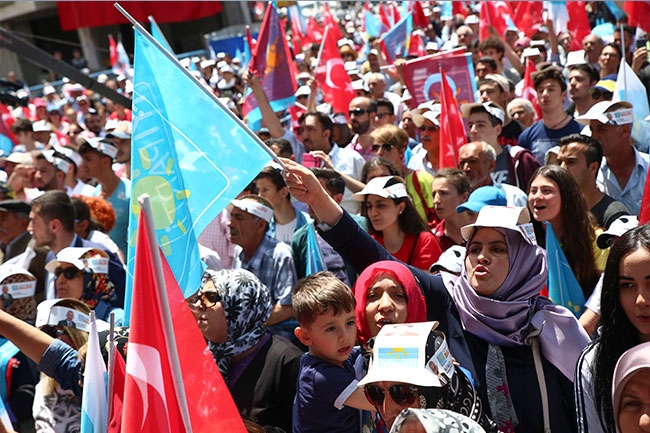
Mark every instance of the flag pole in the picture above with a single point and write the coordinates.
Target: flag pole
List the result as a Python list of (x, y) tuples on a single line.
[(161, 291), (211, 95), (111, 362), (624, 59), (322, 46)]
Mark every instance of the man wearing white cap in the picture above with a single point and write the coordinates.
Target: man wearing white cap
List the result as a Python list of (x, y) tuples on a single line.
[(269, 259), (51, 170), (426, 155), (514, 165), (97, 156), (624, 169), (121, 139)]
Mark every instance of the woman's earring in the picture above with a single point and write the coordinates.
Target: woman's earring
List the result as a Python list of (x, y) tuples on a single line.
[(423, 401)]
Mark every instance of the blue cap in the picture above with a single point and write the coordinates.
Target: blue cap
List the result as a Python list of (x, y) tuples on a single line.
[(483, 196)]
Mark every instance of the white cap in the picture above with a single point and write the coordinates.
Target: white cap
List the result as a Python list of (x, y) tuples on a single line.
[(102, 145), (531, 52), (18, 290), (254, 207), (56, 161), (490, 107), (303, 90), (207, 64), (403, 353), (360, 85), (623, 115), (48, 90), (432, 46), (575, 58), (616, 229), (432, 113), (70, 153), (507, 217), (49, 314), (72, 255), (24, 158), (472, 19), (41, 126), (377, 186), (500, 80), (450, 260), (121, 130)]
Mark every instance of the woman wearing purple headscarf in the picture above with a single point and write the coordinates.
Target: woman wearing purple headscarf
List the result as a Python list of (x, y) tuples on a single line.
[(524, 343)]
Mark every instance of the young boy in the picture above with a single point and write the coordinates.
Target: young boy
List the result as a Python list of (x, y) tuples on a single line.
[(327, 397)]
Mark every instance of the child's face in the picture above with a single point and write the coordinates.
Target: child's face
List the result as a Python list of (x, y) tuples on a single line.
[(331, 337)]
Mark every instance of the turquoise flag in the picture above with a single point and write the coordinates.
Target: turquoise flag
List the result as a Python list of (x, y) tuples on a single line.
[(159, 36), (563, 287), (189, 153), (315, 261)]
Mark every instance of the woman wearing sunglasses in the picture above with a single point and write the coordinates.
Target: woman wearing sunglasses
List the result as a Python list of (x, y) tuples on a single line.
[(260, 369), (497, 301), (412, 367), (82, 273), (394, 222), (390, 142)]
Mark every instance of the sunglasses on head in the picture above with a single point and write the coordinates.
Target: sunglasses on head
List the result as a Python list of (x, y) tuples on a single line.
[(69, 273), (598, 94), (357, 112), (402, 394), (428, 128), (385, 147), (208, 299)]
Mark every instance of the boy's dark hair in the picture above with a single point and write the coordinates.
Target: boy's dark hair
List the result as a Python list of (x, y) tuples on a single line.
[(55, 205), (284, 147), (318, 294), (588, 69), (334, 182), (593, 151), (383, 102), (492, 42), (22, 125), (492, 64), (549, 73)]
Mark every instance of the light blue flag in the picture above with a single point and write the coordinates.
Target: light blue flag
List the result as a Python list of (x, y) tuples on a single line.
[(315, 261), (4, 417), (563, 287), (397, 38), (94, 400), (159, 36), (374, 26), (189, 153), (629, 88)]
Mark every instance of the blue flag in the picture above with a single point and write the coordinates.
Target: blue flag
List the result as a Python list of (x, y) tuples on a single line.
[(159, 36), (374, 27), (315, 261), (189, 153), (397, 38), (563, 287)]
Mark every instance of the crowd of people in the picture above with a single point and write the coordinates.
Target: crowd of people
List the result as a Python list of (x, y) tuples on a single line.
[(426, 307)]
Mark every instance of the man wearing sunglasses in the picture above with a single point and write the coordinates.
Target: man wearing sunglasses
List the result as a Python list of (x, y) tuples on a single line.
[(362, 118)]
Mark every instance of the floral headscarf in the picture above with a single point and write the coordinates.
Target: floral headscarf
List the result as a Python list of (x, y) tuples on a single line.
[(247, 305)]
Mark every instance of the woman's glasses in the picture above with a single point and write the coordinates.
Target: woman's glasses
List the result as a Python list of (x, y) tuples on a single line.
[(402, 394), (69, 273), (208, 299), (385, 147)]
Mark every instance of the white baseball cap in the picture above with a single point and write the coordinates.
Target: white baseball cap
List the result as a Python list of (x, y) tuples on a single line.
[(378, 186), (72, 255), (507, 217), (490, 107), (622, 115)]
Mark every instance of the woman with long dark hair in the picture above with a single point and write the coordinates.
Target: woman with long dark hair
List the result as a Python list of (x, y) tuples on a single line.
[(554, 196), (624, 323)]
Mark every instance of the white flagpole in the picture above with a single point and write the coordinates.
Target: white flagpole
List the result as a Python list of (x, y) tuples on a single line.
[(161, 290)]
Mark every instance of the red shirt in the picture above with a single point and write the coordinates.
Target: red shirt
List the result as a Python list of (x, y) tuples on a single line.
[(423, 250)]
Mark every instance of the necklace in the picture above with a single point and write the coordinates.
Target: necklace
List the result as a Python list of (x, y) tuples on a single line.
[(560, 122)]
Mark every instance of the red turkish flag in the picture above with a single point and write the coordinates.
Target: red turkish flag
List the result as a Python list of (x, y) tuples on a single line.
[(419, 19), (112, 49), (639, 13), (332, 77), (528, 91), (528, 16), (578, 25), (158, 359), (644, 214), (452, 129), (330, 22)]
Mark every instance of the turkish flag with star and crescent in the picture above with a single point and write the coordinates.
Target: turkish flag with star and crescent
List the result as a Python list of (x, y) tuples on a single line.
[(163, 378), (332, 77)]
